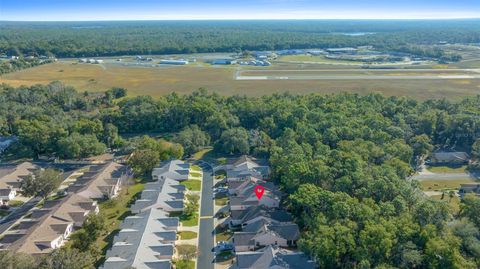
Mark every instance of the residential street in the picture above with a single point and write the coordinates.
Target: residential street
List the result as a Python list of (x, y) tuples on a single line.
[(206, 235)]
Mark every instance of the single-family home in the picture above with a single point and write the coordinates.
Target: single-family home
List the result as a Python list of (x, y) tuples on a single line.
[(469, 188), (446, 157), (244, 168), (272, 258), (254, 213), (246, 197), (261, 233)]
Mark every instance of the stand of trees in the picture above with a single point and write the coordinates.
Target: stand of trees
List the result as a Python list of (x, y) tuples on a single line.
[(343, 160), (19, 64), (85, 39)]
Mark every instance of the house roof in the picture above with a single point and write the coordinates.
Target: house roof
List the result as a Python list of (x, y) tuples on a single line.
[(163, 193), (273, 257), (12, 175), (252, 212), (139, 245), (243, 238), (288, 231), (441, 156), (100, 181), (174, 169), (55, 217)]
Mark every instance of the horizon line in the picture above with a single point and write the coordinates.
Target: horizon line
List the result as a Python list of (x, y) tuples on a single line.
[(251, 19)]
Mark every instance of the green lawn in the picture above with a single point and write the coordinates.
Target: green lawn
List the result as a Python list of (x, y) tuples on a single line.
[(188, 221), (182, 264), (447, 169), (186, 235), (221, 201), (195, 174), (15, 203), (116, 210), (192, 184), (196, 168), (438, 185), (199, 155)]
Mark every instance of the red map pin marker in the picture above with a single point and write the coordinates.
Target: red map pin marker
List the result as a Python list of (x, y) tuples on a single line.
[(259, 190)]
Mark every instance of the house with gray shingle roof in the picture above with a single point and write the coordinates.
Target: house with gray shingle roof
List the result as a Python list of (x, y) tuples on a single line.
[(245, 168), (254, 213), (174, 169), (272, 258), (145, 241), (449, 157), (263, 233), (246, 197), (164, 194)]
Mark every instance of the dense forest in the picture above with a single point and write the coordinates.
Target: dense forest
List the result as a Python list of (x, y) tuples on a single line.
[(82, 39), (343, 159)]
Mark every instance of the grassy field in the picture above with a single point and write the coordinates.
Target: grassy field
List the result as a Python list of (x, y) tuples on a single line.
[(192, 184), (447, 169), (159, 81), (438, 185)]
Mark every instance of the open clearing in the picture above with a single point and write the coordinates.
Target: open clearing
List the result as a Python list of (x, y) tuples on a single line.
[(439, 185), (158, 81)]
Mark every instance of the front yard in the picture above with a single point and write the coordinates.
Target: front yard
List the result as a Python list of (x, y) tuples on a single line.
[(186, 235), (192, 184), (221, 201), (186, 220)]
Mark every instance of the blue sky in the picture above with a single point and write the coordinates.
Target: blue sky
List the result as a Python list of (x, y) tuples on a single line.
[(68, 10)]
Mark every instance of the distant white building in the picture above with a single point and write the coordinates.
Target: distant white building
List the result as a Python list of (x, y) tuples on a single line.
[(174, 62), (224, 62)]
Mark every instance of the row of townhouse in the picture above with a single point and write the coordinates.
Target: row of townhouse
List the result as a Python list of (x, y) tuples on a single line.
[(11, 177), (47, 228), (265, 233), (147, 239)]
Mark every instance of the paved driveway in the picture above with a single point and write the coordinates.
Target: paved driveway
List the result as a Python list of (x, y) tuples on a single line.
[(206, 235)]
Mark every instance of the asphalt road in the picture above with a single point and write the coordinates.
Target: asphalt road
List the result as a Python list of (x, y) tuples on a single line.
[(17, 214), (206, 230)]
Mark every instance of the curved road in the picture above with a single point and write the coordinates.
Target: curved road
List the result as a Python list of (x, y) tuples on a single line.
[(206, 230)]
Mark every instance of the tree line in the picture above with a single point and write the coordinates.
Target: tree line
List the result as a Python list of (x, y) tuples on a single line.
[(343, 159), (86, 39)]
